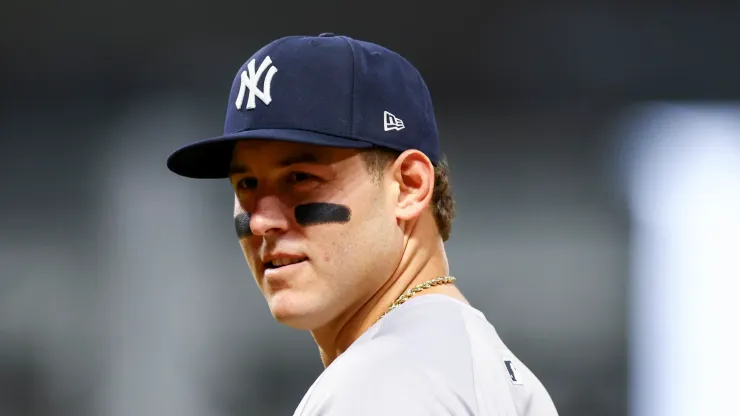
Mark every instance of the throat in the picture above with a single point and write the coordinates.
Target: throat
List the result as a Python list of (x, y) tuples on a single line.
[(410, 279), (333, 340)]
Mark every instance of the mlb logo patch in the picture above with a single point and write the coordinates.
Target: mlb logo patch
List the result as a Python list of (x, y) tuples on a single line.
[(513, 373)]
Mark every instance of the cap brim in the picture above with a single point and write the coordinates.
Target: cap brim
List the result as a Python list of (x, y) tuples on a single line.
[(210, 158)]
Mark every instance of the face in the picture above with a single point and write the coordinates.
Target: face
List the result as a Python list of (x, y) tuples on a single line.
[(319, 234)]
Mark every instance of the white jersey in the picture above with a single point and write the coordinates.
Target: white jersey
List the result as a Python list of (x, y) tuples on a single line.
[(433, 355)]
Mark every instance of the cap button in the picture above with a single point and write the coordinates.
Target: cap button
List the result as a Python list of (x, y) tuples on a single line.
[(327, 35)]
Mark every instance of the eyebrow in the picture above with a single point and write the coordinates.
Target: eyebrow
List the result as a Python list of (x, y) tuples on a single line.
[(305, 157)]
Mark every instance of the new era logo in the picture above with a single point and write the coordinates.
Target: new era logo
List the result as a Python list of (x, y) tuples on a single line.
[(392, 122)]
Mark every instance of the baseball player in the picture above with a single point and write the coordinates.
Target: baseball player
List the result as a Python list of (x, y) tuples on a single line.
[(342, 205)]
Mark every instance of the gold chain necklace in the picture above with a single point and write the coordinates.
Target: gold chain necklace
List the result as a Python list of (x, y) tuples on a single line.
[(418, 288)]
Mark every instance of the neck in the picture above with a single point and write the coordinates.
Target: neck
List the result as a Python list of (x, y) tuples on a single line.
[(419, 264)]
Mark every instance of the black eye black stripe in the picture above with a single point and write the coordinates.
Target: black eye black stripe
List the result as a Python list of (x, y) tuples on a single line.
[(241, 222), (314, 213), (321, 213)]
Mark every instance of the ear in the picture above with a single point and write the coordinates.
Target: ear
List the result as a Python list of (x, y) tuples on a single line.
[(414, 174)]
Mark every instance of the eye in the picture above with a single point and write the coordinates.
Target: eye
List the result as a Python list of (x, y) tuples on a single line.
[(247, 184), (299, 177)]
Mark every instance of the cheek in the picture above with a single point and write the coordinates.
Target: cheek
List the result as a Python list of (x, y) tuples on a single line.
[(335, 246), (250, 253), (346, 248)]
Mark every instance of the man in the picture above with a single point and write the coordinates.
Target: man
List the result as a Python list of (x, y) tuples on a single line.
[(342, 206)]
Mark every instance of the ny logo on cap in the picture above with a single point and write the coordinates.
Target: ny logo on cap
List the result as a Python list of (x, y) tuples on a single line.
[(249, 80)]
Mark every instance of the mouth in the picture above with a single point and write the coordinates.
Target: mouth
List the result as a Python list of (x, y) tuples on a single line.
[(283, 262)]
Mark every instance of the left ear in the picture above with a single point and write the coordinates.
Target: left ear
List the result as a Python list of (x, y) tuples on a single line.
[(414, 174)]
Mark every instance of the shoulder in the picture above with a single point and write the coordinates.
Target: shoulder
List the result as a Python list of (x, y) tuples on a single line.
[(410, 365), (375, 382)]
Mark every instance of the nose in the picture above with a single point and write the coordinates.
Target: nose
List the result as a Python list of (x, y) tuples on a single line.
[(269, 216)]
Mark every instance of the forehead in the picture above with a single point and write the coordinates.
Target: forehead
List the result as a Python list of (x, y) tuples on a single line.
[(251, 155)]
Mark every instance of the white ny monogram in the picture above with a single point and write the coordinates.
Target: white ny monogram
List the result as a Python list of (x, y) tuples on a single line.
[(249, 81)]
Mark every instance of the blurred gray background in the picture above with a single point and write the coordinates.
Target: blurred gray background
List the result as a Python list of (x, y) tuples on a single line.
[(123, 290)]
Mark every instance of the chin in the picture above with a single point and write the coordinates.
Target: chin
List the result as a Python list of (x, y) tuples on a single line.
[(296, 311)]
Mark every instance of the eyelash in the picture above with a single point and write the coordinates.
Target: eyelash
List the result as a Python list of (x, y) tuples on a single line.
[(251, 183)]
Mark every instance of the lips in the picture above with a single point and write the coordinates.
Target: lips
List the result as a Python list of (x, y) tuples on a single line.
[(283, 261)]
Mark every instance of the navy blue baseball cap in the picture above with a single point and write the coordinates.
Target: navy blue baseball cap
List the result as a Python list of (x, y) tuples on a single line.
[(323, 90)]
